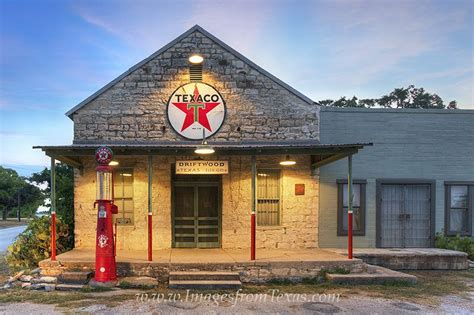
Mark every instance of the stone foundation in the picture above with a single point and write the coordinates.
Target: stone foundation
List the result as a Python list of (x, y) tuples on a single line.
[(249, 272)]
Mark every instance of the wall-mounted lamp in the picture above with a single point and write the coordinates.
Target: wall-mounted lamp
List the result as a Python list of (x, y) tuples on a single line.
[(288, 161), (113, 163), (196, 59)]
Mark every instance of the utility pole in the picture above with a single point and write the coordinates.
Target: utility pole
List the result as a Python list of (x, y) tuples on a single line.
[(18, 214)]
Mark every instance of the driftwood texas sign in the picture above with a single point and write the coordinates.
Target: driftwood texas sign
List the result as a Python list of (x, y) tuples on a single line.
[(195, 107), (191, 167)]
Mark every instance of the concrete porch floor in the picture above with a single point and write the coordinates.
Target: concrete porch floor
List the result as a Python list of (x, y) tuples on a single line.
[(212, 256)]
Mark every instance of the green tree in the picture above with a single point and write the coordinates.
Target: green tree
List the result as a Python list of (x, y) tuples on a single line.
[(64, 194), (410, 97), (16, 191)]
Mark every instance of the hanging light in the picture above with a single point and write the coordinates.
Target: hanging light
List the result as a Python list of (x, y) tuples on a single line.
[(288, 161), (204, 147), (113, 163), (196, 59)]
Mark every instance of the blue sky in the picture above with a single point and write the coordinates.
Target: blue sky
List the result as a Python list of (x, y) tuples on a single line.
[(54, 54)]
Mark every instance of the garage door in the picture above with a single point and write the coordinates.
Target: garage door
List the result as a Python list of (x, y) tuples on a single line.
[(404, 215)]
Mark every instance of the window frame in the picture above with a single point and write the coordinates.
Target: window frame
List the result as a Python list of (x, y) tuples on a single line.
[(362, 206), (447, 206), (118, 170), (280, 196)]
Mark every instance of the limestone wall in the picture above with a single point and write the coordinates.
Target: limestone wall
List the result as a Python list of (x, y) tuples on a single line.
[(258, 108), (299, 214)]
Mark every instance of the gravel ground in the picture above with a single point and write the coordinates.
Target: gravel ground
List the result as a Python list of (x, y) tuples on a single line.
[(353, 305)]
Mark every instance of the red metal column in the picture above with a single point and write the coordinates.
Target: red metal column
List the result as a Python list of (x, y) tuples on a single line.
[(53, 209), (349, 208), (53, 236), (254, 206), (150, 208), (150, 241)]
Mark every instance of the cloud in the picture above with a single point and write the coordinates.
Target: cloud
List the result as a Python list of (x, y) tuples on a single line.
[(145, 31), (372, 38)]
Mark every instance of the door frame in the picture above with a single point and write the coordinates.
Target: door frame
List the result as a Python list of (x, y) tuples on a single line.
[(217, 184), (401, 181)]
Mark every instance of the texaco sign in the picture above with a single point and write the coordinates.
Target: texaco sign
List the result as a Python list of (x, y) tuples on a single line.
[(195, 107)]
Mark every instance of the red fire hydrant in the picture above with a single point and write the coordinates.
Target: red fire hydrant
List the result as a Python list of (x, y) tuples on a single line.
[(105, 267)]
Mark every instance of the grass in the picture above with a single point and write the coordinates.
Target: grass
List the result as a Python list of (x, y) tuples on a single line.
[(430, 287)]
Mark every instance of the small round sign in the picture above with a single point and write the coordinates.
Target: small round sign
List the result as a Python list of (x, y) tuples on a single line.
[(103, 155), (196, 108)]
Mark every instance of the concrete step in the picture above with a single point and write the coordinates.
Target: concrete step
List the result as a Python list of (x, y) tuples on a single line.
[(374, 275), (69, 287), (75, 277), (205, 284), (204, 275)]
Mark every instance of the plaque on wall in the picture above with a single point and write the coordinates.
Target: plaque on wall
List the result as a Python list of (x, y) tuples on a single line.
[(299, 189), (200, 167)]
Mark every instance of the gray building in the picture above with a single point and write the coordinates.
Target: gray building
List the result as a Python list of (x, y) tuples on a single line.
[(416, 180)]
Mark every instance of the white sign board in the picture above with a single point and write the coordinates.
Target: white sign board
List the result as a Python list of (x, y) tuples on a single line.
[(194, 109), (202, 167)]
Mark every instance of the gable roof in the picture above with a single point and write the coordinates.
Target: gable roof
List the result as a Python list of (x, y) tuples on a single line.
[(195, 28)]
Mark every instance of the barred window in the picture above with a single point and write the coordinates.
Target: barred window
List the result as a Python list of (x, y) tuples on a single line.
[(459, 203), (268, 197), (123, 195), (358, 207)]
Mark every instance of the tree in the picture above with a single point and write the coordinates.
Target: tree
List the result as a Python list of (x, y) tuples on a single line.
[(10, 184), (410, 97), (64, 193), (452, 105), (17, 194)]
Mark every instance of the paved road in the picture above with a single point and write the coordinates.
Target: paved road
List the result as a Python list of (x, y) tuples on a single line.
[(8, 235)]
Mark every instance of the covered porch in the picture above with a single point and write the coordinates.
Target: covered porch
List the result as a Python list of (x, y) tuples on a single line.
[(315, 155)]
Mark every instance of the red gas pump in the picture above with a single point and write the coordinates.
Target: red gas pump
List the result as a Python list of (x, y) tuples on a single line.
[(105, 268)]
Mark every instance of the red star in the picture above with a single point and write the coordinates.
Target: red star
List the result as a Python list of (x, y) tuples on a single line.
[(200, 108)]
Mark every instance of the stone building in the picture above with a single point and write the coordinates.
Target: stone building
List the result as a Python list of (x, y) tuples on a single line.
[(274, 156)]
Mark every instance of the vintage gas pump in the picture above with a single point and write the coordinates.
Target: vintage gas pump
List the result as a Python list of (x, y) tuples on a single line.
[(105, 269)]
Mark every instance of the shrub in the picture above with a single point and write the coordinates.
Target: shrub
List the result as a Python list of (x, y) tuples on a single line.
[(459, 243), (34, 244)]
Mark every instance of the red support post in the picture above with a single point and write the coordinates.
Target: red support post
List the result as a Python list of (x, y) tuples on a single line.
[(252, 237), (150, 241), (53, 236), (253, 232), (349, 234), (53, 209), (350, 197), (150, 208)]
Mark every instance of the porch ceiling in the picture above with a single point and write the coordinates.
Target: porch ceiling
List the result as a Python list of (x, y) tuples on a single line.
[(321, 154)]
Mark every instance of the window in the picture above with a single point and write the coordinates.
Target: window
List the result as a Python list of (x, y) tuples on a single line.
[(123, 195), (459, 203), (358, 207), (268, 197)]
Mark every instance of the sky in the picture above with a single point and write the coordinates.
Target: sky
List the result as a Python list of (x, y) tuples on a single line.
[(56, 53)]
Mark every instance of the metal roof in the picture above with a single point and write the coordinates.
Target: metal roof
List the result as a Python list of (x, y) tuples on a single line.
[(195, 28), (322, 153)]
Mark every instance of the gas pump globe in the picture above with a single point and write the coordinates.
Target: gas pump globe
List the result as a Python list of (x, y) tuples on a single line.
[(105, 268)]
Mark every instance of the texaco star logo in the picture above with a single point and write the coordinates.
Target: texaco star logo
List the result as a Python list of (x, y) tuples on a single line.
[(103, 155), (102, 241), (195, 107)]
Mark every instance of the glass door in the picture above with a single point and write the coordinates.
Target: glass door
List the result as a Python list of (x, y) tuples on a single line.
[(196, 215)]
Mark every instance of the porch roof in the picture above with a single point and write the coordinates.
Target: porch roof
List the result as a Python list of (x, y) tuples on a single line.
[(322, 154)]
